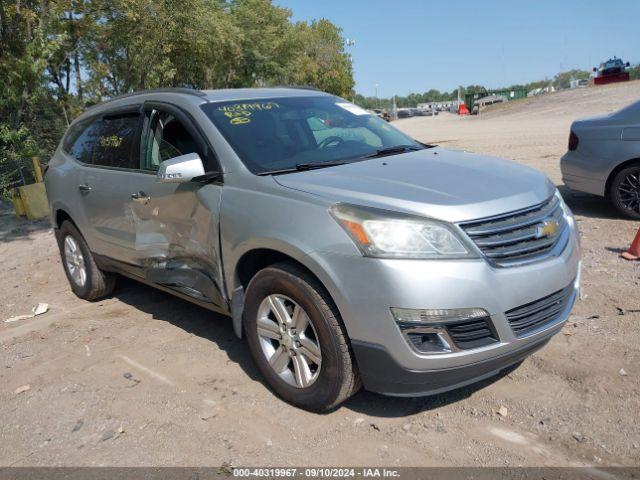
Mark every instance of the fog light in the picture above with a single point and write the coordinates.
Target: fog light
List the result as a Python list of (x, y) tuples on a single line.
[(428, 342), (437, 316), (445, 330)]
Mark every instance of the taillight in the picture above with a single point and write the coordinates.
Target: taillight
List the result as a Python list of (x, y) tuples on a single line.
[(573, 141)]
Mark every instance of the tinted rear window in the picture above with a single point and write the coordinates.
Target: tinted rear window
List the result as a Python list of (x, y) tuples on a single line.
[(82, 147), (73, 133), (115, 143), (107, 142)]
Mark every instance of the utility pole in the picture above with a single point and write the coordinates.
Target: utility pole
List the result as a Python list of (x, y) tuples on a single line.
[(349, 42), (394, 109)]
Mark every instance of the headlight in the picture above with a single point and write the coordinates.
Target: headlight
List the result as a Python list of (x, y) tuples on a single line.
[(379, 233), (565, 208), (559, 197), (568, 215)]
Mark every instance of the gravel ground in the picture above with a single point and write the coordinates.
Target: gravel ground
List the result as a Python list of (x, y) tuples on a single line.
[(142, 378)]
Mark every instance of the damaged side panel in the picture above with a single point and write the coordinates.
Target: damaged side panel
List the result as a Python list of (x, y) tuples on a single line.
[(177, 239)]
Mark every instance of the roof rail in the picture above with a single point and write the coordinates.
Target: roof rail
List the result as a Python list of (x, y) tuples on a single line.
[(299, 87), (188, 91)]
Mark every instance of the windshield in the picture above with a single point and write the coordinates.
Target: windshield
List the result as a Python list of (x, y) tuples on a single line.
[(276, 134), (612, 63)]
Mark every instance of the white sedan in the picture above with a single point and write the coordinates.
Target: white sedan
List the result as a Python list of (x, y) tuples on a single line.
[(604, 158)]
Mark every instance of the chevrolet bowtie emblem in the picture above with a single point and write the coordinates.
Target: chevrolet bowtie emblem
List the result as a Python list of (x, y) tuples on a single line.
[(548, 228)]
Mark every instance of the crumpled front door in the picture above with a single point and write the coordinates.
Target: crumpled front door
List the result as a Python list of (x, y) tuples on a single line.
[(177, 236)]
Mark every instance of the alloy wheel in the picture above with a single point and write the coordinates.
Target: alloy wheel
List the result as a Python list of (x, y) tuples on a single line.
[(75, 261), (629, 191), (289, 340)]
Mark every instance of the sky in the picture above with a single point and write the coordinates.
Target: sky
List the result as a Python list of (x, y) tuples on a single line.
[(406, 46)]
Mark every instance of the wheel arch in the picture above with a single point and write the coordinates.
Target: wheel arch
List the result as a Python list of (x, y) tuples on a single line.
[(61, 211), (60, 215), (253, 260), (614, 172)]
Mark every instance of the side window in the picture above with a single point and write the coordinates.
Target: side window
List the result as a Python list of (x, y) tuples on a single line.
[(115, 142), (82, 148), (168, 138)]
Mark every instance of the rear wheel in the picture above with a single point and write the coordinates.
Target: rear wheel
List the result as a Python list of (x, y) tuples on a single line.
[(297, 338), (625, 192), (86, 279)]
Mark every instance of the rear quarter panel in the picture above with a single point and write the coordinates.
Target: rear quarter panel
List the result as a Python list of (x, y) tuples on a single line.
[(61, 181), (601, 149)]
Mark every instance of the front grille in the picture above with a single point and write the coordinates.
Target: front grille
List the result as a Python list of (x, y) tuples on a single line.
[(529, 317), (472, 334), (522, 236)]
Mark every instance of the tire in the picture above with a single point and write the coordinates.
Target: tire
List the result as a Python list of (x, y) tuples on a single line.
[(624, 192), (335, 378), (96, 283)]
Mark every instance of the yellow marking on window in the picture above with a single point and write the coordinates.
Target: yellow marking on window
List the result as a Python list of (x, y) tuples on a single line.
[(240, 113), (112, 141)]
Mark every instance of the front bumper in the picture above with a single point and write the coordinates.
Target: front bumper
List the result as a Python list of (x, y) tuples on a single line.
[(365, 289), (380, 373)]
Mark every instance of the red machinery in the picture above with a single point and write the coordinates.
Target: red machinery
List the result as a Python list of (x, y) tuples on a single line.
[(613, 70)]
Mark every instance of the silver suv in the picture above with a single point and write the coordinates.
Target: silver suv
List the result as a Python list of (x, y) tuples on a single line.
[(345, 252)]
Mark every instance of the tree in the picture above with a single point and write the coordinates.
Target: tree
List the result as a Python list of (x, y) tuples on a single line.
[(265, 43), (31, 118), (320, 60), (563, 79), (141, 44), (57, 57)]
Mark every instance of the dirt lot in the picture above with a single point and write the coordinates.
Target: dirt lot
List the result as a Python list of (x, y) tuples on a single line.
[(142, 378)]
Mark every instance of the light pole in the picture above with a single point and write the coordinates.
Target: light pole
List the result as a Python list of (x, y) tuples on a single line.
[(377, 100), (349, 42), (394, 109)]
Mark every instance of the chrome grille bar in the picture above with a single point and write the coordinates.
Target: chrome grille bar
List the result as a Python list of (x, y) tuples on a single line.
[(520, 236)]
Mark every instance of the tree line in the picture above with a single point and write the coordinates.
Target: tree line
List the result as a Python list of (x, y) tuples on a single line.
[(57, 57), (559, 81)]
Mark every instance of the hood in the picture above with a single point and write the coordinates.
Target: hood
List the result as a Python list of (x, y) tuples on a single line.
[(438, 183)]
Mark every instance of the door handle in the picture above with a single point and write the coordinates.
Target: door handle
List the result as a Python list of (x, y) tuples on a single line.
[(140, 197), (84, 188)]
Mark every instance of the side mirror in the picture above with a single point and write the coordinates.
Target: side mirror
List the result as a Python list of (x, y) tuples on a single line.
[(180, 169), (627, 64)]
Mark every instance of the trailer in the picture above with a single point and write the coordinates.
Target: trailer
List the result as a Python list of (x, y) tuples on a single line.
[(470, 99)]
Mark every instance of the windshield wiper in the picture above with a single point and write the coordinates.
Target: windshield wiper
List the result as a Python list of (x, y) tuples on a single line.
[(310, 166), (393, 150), (301, 167)]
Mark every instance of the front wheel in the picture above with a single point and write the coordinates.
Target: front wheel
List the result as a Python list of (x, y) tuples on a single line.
[(625, 192), (297, 338)]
